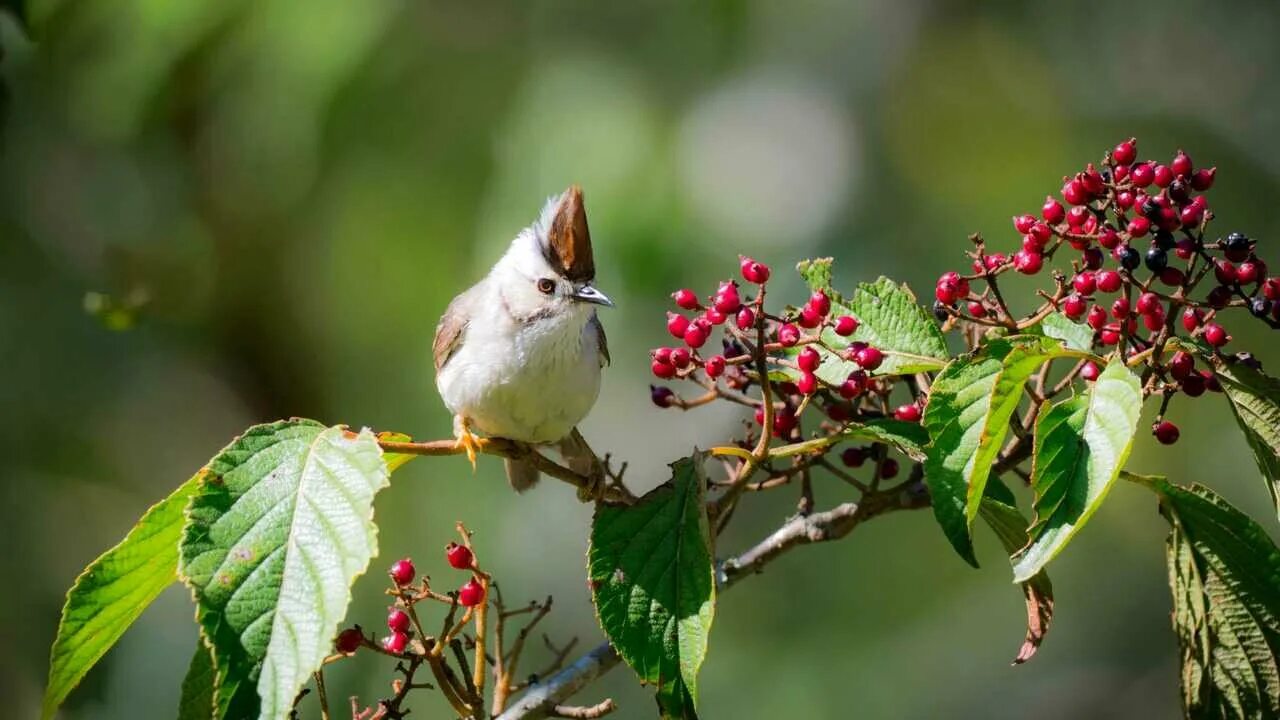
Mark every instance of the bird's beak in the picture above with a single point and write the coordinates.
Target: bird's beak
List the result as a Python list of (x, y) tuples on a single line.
[(588, 294)]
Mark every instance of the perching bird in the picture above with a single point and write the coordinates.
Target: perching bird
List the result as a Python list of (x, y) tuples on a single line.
[(519, 354)]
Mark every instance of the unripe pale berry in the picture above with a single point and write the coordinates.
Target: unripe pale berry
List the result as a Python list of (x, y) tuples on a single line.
[(348, 641), (685, 298), (1166, 432), (460, 557), (788, 335), (847, 324), (471, 593), (714, 366), (402, 571), (397, 620), (395, 643)]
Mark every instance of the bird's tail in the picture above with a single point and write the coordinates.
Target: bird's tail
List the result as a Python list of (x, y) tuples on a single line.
[(522, 475), (577, 454)]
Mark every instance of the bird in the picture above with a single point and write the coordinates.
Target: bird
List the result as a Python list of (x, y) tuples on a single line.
[(519, 355)]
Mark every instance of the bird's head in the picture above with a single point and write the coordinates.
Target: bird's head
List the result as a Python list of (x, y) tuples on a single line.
[(549, 265)]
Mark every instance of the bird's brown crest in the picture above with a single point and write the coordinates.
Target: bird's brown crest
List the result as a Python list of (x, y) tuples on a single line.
[(569, 240)]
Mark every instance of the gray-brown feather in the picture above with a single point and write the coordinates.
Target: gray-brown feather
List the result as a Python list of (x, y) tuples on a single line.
[(601, 340), (452, 326)]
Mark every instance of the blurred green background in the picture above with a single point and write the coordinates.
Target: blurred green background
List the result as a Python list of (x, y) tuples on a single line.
[(290, 193)]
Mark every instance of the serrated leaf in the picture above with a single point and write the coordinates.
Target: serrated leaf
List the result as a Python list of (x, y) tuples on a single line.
[(1074, 335), (652, 581), (277, 532), (1080, 448), (905, 437), (1255, 402), (112, 592), (967, 419), (196, 702), (1224, 573), (1003, 517), (888, 318)]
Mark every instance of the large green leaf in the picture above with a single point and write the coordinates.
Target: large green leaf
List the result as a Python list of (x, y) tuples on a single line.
[(1224, 572), (277, 532), (1081, 446), (967, 418), (889, 318), (1255, 401), (113, 591), (1002, 515), (197, 701), (1074, 335), (652, 580), (907, 438)]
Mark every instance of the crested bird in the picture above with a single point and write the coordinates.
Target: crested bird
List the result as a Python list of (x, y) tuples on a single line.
[(519, 354)]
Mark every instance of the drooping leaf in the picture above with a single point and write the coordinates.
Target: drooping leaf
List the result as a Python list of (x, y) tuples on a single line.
[(652, 581), (395, 460), (277, 532), (113, 591), (197, 701), (967, 419), (1076, 336), (889, 318), (1255, 401), (1003, 517), (1081, 445), (1224, 572), (905, 437)]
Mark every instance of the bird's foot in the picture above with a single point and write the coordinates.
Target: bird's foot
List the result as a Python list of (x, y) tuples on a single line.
[(466, 440)]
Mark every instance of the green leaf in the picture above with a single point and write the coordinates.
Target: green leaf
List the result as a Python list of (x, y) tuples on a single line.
[(1080, 448), (197, 701), (889, 318), (1255, 401), (967, 419), (1074, 335), (112, 592), (905, 437), (652, 580), (277, 532), (1224, 572), (1010, 527)]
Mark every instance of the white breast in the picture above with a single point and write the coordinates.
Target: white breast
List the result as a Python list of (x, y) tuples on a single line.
[(531, 382)]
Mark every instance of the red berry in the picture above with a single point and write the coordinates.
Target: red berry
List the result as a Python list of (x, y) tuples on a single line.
[(1084, 283), (1191, 318), (1148, 302), (1126, 152), (685, 298), (839, 412), (714, 316), (1181, 365), (661, 395), (888, 468), (1090, 371), (1190, 216), (714, 366), (1271, 288), (846, 325), (1248, 273), (869, 358), (820, 302), (950, 287), (1109, 238), (754, 272), (664, 370), (1076, 218), (459, 556), (677, 324), (746, 318), (1185, 248), (854, 385), (1181, 165), (1125, 199), (471, 593), (695, 336), (726, 299), (808, 359), (402, 571), (1052, 211), (1120, 173), (1023, 223), (681, 358), (809, 317), (993, 261), (977, 309), (1163, 176), (808, 383), (1216, 335), (1092, 180), (788, 335), (784, 422), (1219, 297), (1028, 263), (1120, 309), (398, 620), (853, 457), (1109, 335), (908, 413), (1108, 281), (1097, 317), (1172, 276), (1193, 385), (1203, 179), (1142, 174), (1211, 381), (1166, 432), (395, 643), (1139, 226), (1041, 233), (348, 641), (1225, 272), (1073, 306), (1074, 193)]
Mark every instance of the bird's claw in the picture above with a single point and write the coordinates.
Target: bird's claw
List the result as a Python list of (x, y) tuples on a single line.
[(467, 441)]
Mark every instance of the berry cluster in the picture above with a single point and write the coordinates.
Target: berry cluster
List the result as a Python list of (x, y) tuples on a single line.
[(1134, 230)]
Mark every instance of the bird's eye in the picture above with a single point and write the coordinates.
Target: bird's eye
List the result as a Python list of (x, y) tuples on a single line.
[(546, 285)]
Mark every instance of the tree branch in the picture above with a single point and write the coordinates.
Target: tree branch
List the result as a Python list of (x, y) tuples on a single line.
[(542, 700)]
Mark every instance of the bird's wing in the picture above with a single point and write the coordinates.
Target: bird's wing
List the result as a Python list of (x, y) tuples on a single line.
[(449, 332), (601, 341)]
